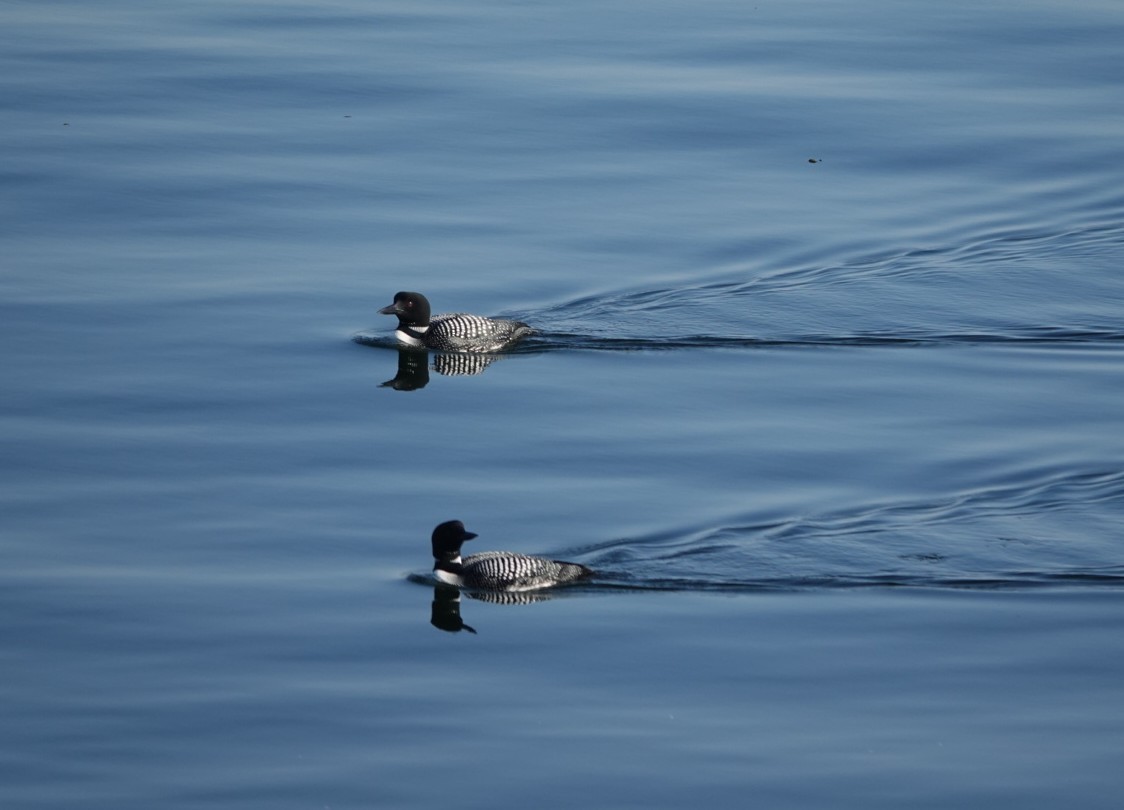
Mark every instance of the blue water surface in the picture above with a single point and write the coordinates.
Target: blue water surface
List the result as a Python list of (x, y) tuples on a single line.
[(827, 388)]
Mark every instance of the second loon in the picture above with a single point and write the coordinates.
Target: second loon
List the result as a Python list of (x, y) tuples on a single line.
[(451, 332), (496, 570)]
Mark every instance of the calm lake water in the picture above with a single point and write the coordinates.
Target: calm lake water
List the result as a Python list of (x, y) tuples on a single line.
[(829, 389)]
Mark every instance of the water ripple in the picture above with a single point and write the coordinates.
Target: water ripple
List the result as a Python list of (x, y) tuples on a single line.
[(1000, 536), (1008, 286), (1034, 336)]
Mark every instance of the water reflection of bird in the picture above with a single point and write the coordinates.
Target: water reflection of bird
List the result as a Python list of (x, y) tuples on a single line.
[(445, 611), (413, 371), (451, 332), (496, 570), (445, 614), (413, 367), (462, 365)]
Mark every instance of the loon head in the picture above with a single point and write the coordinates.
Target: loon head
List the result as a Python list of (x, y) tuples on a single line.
[(447, 540), (411, 308)]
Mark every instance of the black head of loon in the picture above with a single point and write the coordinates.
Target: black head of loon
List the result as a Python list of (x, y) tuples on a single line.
[(411, 308), (447, 540)]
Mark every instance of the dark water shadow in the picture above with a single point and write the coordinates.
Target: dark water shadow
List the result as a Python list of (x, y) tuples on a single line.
[(411, 361), (446, 605)]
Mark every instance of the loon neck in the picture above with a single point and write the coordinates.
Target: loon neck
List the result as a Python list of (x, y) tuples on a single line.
[(449, 560), (449, 570), (411, 335)]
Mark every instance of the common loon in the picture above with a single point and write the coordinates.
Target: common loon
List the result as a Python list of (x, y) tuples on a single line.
[(496, 570), (452, 332)]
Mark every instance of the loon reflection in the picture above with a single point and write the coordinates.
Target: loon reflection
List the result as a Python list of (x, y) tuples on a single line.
[(445, 612), (413, 368)]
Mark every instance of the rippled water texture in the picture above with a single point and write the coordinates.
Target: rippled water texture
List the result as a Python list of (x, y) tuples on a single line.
[(827, 388)]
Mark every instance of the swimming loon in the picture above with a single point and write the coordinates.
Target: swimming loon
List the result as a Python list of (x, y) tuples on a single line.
[(496, 570), (452, 332)]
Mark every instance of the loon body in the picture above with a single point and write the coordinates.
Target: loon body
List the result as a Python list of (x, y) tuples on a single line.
[(451, 332), (496, 570)]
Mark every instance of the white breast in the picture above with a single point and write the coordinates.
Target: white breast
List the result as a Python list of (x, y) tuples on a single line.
[(448, 578), (408, 339)]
